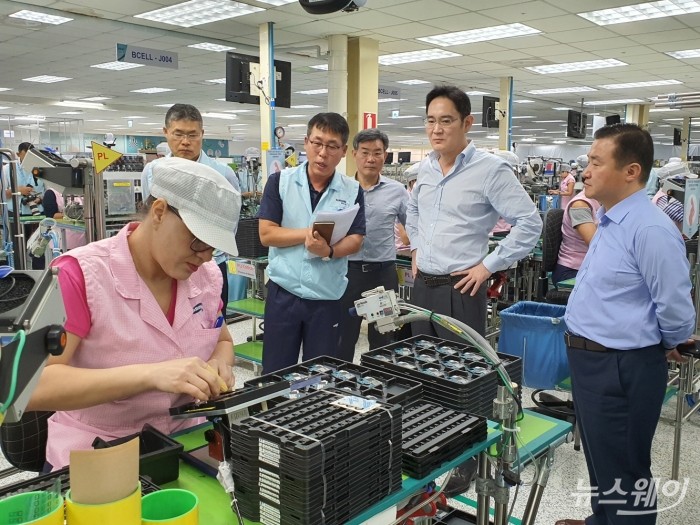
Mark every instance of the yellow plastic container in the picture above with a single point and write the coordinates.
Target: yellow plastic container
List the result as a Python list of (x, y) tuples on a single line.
[(126, 511), (170, 507), (22, 509)]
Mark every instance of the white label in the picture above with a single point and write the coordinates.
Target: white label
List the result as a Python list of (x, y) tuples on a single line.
[(269, 452), (269, 515), (146, 56)]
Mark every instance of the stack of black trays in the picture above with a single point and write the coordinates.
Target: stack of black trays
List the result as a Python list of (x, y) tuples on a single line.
[(454, 375), (248, 239), (433, 434), (324, 373), (309, 462)]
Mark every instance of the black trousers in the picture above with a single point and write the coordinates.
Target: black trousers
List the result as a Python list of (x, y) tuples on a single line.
[(224, 288), (617, 398), (291, 322), (448, 301), (358, 282)]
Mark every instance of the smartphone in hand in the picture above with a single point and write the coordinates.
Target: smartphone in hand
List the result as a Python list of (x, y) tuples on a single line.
[(324, 229)]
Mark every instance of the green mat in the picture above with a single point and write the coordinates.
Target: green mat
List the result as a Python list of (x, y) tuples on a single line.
[(250, 351), (252, 307)]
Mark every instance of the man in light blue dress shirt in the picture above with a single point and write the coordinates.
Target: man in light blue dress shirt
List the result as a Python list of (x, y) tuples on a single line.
[(459, 196), (630, 308), (375, 264), (184, 132)]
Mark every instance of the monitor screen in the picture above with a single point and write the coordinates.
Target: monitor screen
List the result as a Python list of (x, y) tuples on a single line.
[(576, 124), (389, 158), (241, 84), (488, 112), (612, 119), (404, 157)]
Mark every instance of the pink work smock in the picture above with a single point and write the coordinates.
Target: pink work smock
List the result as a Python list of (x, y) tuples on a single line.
[(128, 327), (573, 248)]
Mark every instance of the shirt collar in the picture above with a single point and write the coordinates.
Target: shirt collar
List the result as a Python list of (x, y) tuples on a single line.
[(464, 156), (381, 180), (618, 212)]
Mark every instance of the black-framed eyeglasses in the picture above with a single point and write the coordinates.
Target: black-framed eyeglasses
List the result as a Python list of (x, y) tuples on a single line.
[(196, 245)]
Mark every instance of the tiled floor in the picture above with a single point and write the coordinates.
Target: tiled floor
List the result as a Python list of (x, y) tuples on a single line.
[(569, 471)]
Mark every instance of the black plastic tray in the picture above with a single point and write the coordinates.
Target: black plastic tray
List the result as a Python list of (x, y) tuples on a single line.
[(328, 372)]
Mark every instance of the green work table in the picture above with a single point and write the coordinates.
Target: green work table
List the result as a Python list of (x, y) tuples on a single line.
[(538, 432)]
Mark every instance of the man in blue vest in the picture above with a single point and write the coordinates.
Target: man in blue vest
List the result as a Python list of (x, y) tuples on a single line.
[(307, 274)]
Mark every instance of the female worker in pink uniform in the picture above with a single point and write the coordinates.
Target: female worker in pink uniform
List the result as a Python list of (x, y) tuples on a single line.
[(143, 316)]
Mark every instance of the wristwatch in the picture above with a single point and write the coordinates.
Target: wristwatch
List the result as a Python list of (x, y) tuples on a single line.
[(329, 256)]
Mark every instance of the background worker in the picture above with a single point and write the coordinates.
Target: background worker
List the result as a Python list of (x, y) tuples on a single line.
[(144, 317), (307, 275), (184, 133), (375, 264), (566, 186), (631, 307)]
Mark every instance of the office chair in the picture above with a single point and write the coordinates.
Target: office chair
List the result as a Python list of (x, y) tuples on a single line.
[(551, 241), (24, 443)]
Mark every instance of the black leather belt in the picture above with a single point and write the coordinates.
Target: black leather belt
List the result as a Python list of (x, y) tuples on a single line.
[(433, 281), (581, 343), (370, 266)]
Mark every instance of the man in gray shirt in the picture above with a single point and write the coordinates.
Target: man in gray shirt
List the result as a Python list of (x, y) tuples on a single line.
[(375, 264)]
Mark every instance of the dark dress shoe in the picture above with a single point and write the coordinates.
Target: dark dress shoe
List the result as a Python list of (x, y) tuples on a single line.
[(570, 522)]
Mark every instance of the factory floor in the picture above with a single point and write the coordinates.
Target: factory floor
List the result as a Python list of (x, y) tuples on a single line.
[(564, 495)]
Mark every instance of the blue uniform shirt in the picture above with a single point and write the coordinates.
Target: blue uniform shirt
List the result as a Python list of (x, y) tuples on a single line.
[(633, 288), (24, 178), (287, 201)]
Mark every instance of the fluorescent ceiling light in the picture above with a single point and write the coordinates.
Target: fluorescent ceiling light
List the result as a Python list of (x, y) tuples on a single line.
[(198, 12), (415, 56), (523, 116), (686, 53), (529, 139), (46, 79), (577, 66), (237, 110), (561, 108), (673, 119), (313, 91), (386, 124), (40, 118), (476, 113), (494, 137), (304, 106), (293, 116), (559, 142), (224, 116), (209, 46), (535, 129), (95, 120), (657, 110), (638, 12), (34, 16), (78, 104), (70, 112), (95, 99), (135, 116), (320, 67), (572, 89), (296, 125), (412, 82), (216, 81), (151, 90), (117, 66), (4, 107), (616, 101), (480, 35), (547, 121), (555, 132), (407, 116), (382, 100), (419, 127), (5, 89), (523, 101), (476, 93), (649, 83)]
